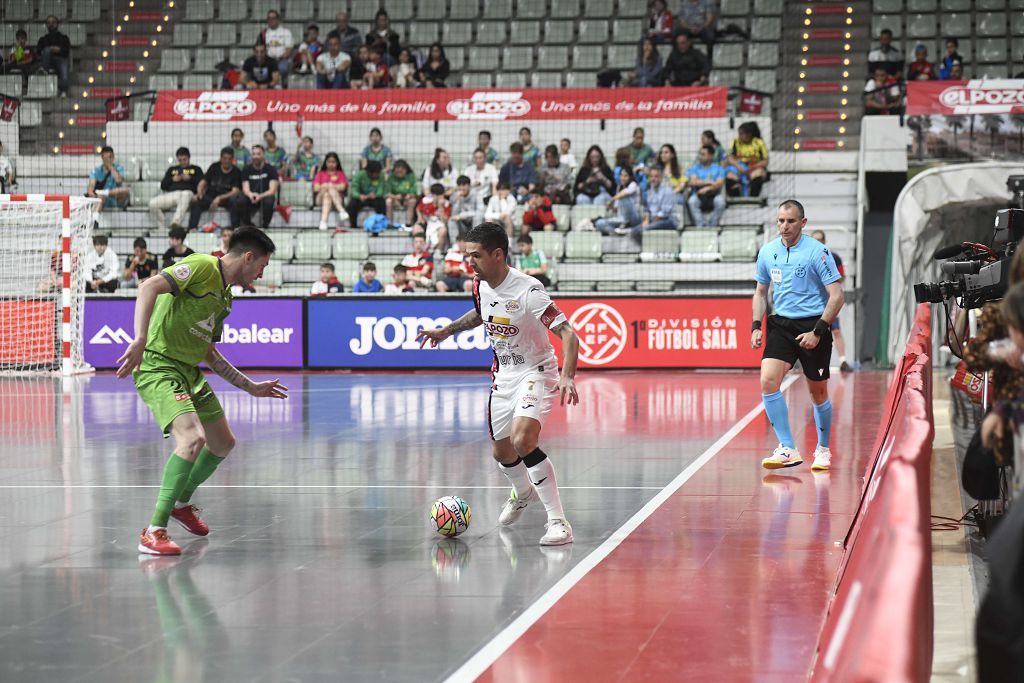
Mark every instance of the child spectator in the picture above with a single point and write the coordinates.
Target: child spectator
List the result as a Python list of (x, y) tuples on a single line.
[(921, 69), (368, 283), (176, 250), (333, 67), (886, 56), (419, 265), (140, 266), (659, 23), (368, 187), (309, 50), (21, 58), (242, 155), (483, 141), (538, 215), (483, 177), (565, 154), (467, 207), (405, 72), (747, 168), (882, 94), (275, 156), (399, 281), (328, 282), (952, 57), (107, 181), (706, 181), (305, 164), (329, 187), (626, 203), (401, 194), (458, 271), (101, 265), (439, 171), (502, 207), (532, 262), (376, 151), (436, 69), (377, 75), (225, 241), (530, 151), (555, 177), (433, 213), (519, 173)]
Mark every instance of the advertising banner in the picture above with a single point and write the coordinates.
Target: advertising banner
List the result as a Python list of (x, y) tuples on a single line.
[(259, 333), (614, 333), (440, 104), (964, 120), (994, 96)]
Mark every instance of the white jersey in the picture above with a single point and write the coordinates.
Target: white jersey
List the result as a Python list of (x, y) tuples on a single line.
[(517, 316)]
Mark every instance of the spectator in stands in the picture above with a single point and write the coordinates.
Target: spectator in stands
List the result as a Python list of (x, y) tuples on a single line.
[(952, 57), (660, 25), (886, 56), (101, 266), (623, 159), (467, 207), (176, 249), (921, 69), (882, 95), (226, 232), (259, 71), (179, 187), (404, 73), (107, 181), (639, 151), (329, 187), (649, 69), (260, 182), (376, 151), (747, 163), (626, 203), (436, 69), (483, 177), (698, 19), (538, 215), (708, 138), (483, 141), (305, 163), (305, 57), (401, 194), (242, 155), (706, 179), (274, 155), (502, 207), (22, 58), (419, 265), (519, 173), (565, 155), (956, 71), (218, 187), (439, 171), (280, 44), (661, 206), (530, 151), (594, 180), (6, 172), (686, 66), (328, 282), (332, 67), (348, 37), (377, 73), (671, 172), (555, 178), (458, 271), (383, 35), (368, 283), (140, 266), (357, 69), (400, 281), (532, 261), (54, 52), (367, 191), (432, 216)]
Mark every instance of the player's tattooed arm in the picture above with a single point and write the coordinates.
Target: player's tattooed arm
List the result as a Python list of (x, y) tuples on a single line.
[(228, 372), (467, 322), (570, 358)]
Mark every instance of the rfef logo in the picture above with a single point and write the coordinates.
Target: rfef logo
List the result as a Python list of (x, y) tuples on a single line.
[(496, 106), (602, 333), (107, 335), (215, 106), (983, 97)]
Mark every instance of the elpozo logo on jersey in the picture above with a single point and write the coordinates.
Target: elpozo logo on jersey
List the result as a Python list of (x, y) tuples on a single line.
[(216, 106), (984, 97), (495, 106)]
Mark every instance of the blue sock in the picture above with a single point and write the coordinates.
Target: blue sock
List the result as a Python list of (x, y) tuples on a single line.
[(778, 414), (823, 418)]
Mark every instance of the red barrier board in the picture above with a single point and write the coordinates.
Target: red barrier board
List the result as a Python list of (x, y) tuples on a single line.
[(965, 97), (440, 104), (662, 333)]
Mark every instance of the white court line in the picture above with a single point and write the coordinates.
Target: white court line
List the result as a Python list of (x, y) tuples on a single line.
[(490, 652), (319, 486)]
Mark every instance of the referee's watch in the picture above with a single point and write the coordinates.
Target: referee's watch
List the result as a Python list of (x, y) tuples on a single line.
[(821, 327)]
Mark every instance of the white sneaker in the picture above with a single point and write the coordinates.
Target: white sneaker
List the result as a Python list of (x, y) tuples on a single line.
[(323, 225), (558, 532), (514, 507), (822, 459), (782, 457)]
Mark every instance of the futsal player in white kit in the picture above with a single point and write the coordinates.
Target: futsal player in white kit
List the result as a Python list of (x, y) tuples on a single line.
[(518, 314)]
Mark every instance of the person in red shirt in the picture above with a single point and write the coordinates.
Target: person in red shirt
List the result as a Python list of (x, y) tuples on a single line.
[(921, 69), (420, 263), (377, 75), (328, 282), (432, 215), (458, 270), (538, 215)]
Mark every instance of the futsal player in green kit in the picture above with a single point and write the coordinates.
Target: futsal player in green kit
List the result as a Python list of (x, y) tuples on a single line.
[(178, 319)]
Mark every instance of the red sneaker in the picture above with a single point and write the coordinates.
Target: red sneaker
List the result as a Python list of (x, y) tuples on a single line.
[(157, 543), (188, 518)]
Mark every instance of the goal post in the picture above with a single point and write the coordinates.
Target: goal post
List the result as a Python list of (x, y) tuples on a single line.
[(44, 240)]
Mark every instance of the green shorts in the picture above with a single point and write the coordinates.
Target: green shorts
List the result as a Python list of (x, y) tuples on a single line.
[(171, 388)]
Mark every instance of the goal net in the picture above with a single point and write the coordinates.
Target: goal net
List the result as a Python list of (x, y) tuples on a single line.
[(44, 242)]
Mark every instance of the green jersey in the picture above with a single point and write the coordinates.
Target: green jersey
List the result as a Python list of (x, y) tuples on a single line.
[(364, 184), (534, 260), (406, 185), (190, 318)]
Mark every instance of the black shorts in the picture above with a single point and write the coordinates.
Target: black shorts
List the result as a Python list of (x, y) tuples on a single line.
[(781, 344)]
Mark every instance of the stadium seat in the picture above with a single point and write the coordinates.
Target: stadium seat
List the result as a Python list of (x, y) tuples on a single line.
[(581, 79), (457, 33), (163, 82), (587, 57), (627, 31), (730, 55), (7, 34), (313, 246), (154, 166), (30, 114), (761, 54), (363, 12), (956, 5), (174, 60), (622, 57), (477, 80), (41, 87), (991, 71), (767, 8), (759, 79), (593, 31), (203, 242), (990, 24), (583, 246), (1017, 24), (766, 29), (957, 25), (248, 34), (887, 6), (76, 34), (398, 10), (922, 6), (505, 79), (735, 8), (539, 79), (492, 32), (232, 10), (259, 8), (551, 243), (992, 50), (562, 216), (892, 22), (272, 274), (921, 26), (187, 35), (581, 212), (18, 12), (302, 82), (728, 77), (456, 57), (285, 243), (220, 34), (530, 9), (199, 82), (566, 9), (423, 33), (738, 245), (348, 271), (207, 59), (432, 10), (142, 192), (140, 110), (351, 245), (990, 5), (517, 58), (659, 246), (132, 170), (58, 8), (85, 10), (464, 10), (553, 58), (195, 10), (10, 85), (632, 10), (597, 9), (699, 245), (524, 32), (238, 54), (482, 59), (297, 194), (558, 32)]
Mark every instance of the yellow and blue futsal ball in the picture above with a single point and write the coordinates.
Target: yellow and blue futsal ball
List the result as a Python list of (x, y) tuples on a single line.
[(450, 515)]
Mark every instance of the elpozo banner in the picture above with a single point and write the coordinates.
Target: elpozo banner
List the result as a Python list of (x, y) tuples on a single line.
[(953, 98), (439, 104)]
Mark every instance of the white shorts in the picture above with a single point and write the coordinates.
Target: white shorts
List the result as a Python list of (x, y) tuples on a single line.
[(529, 395)]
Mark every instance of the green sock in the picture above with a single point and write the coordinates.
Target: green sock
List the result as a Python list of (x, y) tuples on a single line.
[(206, 463), (175, 477)]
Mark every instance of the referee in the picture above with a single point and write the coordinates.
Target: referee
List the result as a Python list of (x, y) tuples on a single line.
[(807, 298)]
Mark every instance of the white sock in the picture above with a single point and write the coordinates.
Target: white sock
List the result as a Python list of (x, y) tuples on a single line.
[(518, 476), (542, 475), (179, 505), (157, 528), (842, 359)]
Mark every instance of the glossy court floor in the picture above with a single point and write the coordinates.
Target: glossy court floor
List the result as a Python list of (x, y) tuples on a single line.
[(320, 565)]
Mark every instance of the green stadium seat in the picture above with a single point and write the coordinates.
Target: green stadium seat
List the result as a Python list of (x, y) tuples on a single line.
[(659, 246), (551, 243), (363, 12), (238, 54), (529, 9), (457, 33), (728, 77), (85, 10), (154, 167), (583, 246), (893, 22), (598, 9), (398, 10), (587, 57), (627, 31), (496, 11), (539, 79), (142, 192), (202, 242), (1017, 24), (187, 35), (552, 58), (616, 286), (558, 32), (348, 271), (632, 10), (41, 87), (464, 10), (302, 82), (524, 32), (248, 34), (990, 5), (272, 274), (562, 214), (297, 194), (504, 79), (351, 245), (593, 31), (313, 246), (517, 59), (132, 170), (222, 35), (582, 212), (424, 33), (174, 60), (738, 245), (492, 32), (433, 10), (699, 245), (990, 24)]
